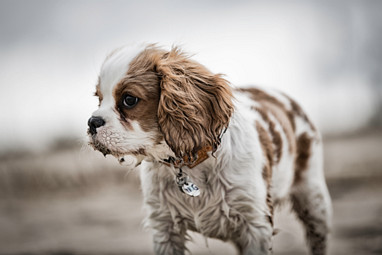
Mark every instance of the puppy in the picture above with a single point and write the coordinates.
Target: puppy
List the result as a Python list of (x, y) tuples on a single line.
[(213, 159)]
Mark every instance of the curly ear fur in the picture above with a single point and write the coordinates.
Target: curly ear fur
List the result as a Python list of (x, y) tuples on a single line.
[(195, 105)]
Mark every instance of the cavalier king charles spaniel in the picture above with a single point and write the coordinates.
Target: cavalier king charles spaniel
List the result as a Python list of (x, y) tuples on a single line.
[(213, 159)]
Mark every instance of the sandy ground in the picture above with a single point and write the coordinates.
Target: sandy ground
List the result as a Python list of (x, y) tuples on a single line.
[(72, 201)]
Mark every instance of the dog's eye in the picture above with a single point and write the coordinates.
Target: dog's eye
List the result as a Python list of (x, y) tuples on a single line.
[(130, 101)]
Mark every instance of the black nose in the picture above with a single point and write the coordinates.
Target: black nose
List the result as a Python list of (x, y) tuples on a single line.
[(94, 123)]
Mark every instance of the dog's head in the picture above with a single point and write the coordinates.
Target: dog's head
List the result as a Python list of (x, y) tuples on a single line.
[(156, 103)]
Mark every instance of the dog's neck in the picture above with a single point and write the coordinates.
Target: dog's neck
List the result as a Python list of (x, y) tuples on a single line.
[(195, 159), (161, 153), (189, 161)]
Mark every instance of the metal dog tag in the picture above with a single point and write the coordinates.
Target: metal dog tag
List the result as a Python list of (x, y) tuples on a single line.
[(191, 189), (185, 185)]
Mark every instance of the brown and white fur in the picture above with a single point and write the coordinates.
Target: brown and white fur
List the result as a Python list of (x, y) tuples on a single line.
[(269, 153)]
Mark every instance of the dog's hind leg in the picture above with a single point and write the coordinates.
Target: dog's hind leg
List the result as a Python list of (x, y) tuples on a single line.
[(311, 200)]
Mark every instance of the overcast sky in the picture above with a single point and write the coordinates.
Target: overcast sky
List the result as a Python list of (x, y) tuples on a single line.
[(326, 54)]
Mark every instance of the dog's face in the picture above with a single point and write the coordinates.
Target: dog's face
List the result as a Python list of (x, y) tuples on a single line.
[(156, 103)]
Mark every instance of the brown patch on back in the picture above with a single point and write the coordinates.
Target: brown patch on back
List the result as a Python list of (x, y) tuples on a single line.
[(276, 137), (270, 105), (266, 145), (297, 111), (277, 141), (304, 143), (285, 123), (260, 96)]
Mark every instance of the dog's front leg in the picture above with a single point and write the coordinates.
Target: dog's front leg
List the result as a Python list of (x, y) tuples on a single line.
[(169, 237), (168, 241), (168, 227)]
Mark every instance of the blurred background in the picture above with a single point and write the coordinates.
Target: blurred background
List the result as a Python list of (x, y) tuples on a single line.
[(57, 196)]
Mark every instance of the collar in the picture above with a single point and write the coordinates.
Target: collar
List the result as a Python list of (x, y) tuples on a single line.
[(195, 160), (190, 162)]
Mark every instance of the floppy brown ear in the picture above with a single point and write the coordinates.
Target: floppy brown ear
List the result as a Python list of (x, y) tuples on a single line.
[(195, 105)]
